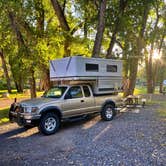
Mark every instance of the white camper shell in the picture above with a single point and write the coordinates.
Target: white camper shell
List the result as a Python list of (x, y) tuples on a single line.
[(104, 75)]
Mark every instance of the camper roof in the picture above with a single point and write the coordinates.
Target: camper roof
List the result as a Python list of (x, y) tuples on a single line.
[(79, 67)]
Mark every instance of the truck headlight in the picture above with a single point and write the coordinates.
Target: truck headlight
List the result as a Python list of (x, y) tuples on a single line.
[(30, 109)]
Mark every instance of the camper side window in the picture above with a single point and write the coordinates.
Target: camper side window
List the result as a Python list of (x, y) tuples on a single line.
[(86, 91), (92, 67), (112, 68)]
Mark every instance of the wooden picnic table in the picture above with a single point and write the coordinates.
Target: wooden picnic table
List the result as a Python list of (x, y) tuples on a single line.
[(132, 100)]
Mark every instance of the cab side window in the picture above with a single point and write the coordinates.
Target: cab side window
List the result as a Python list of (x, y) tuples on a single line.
[(86, 91), (74, 92)]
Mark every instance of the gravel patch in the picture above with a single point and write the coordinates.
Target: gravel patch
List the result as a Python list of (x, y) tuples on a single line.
[(134, 137)]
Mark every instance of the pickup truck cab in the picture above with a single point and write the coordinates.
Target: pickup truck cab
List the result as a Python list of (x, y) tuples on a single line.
[(59, 103)]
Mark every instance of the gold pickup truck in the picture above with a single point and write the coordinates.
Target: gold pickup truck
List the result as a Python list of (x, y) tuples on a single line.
[(60, 103)]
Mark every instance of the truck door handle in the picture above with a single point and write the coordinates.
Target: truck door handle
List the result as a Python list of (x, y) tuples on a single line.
[(82, 101)]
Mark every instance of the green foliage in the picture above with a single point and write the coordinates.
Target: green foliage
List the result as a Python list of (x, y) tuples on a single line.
[(44, 38)]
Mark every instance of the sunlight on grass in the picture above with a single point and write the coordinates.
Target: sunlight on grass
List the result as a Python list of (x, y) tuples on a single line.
[(14, 94), (4, 115), (120, 94), (139, 90), (4, 120), (143, 90)]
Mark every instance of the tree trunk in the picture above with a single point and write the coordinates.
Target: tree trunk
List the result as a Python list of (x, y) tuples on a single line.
[(16, 85), (64, 25), (133, 75), (4, 66), (40, 17), (149, 63), (122, 6), (85, 30), (111, 45), (21, 44), (67, 50), (161, 77), (161, 87), (160, 66), (17, 77), (137, 52), (155, 74), (32, 85), (100, 29), (130, 81), (45, 83), (125, 82), (61, 17), (19, 84), (149, 74), (20, 40)]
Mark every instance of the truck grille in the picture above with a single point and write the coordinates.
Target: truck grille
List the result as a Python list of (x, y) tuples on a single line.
[(19, 109)]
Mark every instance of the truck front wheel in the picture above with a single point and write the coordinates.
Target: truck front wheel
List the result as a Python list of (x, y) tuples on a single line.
[(49, 123), (108, 112)]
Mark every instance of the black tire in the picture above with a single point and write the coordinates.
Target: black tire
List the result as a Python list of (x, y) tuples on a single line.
[(108, 112), (49, 123)]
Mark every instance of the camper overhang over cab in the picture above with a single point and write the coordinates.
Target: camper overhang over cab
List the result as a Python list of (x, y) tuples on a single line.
[(104, 75)]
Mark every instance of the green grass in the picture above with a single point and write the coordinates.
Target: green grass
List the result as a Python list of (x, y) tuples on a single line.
[(14, 94), (4, 111), (137, 91), (4, 115), (143, 90), (140, 90), (162, 111)]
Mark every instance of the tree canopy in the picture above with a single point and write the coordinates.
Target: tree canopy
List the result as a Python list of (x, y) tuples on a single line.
[(32, 32)]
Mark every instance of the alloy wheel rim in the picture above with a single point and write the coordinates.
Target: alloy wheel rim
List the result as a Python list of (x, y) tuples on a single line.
[(50, 124), (109, 113)]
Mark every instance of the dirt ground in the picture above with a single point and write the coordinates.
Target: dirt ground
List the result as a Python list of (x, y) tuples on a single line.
[(134, 137), (7, 102)]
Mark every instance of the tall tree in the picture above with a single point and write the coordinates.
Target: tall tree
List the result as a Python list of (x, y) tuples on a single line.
[(64, 25), (40, 15), (154, 36), (4, 66), (139, 46), (100, 29), (122, 6), (23, 47)]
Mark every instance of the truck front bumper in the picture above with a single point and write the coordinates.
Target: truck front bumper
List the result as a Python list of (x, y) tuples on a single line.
[(23, 119)]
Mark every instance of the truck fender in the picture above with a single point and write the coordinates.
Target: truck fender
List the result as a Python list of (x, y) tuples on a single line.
[(108, 102), (52, 109)]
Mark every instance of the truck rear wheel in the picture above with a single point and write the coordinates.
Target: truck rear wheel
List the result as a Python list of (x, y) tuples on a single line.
[(108, 112), (49, 123)]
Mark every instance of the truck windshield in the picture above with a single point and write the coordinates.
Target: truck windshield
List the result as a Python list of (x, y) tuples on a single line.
[(55, 92)]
